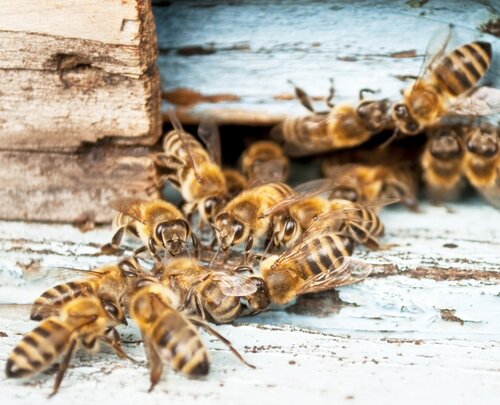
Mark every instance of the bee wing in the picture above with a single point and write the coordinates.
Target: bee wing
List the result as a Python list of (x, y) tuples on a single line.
[(305, 190), (271, 171), (185, 143), (208, 132), (235, 284), (349, 272), (57, 274), (129, 206)]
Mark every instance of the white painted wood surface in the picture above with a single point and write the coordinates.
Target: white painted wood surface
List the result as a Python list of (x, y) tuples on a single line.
[(385, 341), (250, 49)]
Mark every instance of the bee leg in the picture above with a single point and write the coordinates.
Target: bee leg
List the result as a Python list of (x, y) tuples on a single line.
[(199, 306), (62, 368), (248, 247), (196, 245), (303, 97), (114, 245), (114, 342), (213, 332), (365, 90), (331, 94), (152, 249), (154, 361)]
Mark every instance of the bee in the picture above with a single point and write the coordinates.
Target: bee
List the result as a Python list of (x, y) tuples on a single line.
[(371, 183), (294, 215), (84, 321), (343, 126), (443, 164), (111, 280), (235, 182), (445, 78), (263, 155), (241, 220), (168, 335), (215, 295), (482, 161), (194, 170), (158, 223), (318, 261)]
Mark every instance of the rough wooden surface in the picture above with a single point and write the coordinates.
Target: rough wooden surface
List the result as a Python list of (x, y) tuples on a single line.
[(74, 187), (425, 327), (77, 71), (249, 49)]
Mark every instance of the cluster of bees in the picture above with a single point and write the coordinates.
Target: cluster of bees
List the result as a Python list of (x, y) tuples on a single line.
[(244, 240)]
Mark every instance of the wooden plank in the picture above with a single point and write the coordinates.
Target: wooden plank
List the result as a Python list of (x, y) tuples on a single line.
[(249, 50), (379, 341), (68, 187), (77, 71)]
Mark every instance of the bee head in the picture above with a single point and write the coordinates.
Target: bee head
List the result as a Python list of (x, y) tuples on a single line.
[(286, 230), (173, 235), (113, 309), (483, 141), (229, 230), (374, 114), (280, 282), (130, 268), (404, 120), (446, 145), (259, 300), (209, 207)]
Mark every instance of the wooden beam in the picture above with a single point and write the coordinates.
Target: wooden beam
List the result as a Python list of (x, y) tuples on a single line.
[(77, 71)]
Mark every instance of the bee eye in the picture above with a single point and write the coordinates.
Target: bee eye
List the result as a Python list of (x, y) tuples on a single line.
[(401, 111), (413, 127), (238, 230), (112, 310), (159, 230), (289, 227), (209, 205)]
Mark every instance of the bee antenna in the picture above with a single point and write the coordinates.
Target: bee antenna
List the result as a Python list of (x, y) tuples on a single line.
[(213, 259)]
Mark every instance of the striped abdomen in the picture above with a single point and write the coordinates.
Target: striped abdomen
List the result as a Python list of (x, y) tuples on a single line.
[(304, 130), (174, 146), (49, 303), (367, 219), (39, 349), (461, 69), (219, 307), (325, 253), (178, 342)]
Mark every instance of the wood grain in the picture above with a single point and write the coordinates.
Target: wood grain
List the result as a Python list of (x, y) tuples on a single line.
[(77, 71), (64, 187)]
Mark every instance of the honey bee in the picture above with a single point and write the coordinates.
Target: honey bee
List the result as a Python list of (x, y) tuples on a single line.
[(371, 183), (241, 220), (84, 321), (343, 126), (443, 164), (192, 169), (235, 182), (265, 155), (215, 295), (482, 161), (294, 215), (111, 280), (445, 79), (317, 262), (168, 335), (158, 223)]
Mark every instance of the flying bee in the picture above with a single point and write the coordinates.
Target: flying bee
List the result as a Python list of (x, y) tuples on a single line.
[(235, 182), (443, 164), (446, 77), (111, 280), (482, 161), (168, 335), (293, 215), (343, 126), (194, 170), (371, 183), (264, 154), (318, 261), (158, 223), (84, 321), (241, 220), (215, 295)]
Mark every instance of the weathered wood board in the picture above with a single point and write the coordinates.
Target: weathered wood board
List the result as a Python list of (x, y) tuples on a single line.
[(425, 327), (77, 71), (242, 53)]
